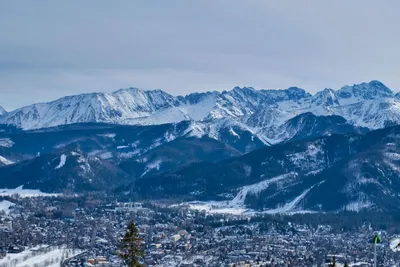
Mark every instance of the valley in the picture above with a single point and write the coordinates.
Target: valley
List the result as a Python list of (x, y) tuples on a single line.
[(283, 169)]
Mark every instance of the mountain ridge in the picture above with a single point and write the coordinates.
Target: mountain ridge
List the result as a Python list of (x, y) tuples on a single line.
[(264, 113), (335, 173), (2, 111)]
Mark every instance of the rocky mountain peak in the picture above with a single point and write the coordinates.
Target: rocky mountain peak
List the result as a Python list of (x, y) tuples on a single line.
[(327, 97), (367, 91), (2, 111)]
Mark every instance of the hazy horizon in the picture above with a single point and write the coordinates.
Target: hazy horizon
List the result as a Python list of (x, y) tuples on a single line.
[(50, 49)]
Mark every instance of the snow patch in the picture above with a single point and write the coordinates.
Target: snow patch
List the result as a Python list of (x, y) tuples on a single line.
[(358, 205), (315, 172), (128, 155), (394, 167), (392, 156), (6, 142), (394, 244), (63, 159), (195, 130), (42, 255), (308, 160), (216, 207), (25, 192), (5, 161), (232, 132), (5, 206), (106, 155), (164, 116), (151, 166), (108, 135), (84, 164)]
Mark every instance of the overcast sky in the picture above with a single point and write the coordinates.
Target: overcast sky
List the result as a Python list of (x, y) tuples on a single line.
[(49, 49)]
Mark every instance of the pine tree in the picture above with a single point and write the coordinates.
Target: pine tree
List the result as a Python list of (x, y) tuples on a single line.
[(333, 264), (131, 246)]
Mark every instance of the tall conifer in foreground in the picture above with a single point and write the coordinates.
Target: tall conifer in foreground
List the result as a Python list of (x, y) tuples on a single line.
[(131, 246)]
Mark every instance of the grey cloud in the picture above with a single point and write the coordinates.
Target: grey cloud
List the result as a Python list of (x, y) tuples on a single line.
[(55, 48)]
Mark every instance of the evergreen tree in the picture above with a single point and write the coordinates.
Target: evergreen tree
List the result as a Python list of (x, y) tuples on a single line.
[(131, 246), (333, 264)]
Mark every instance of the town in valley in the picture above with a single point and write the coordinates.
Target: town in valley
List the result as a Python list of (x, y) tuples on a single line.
[(86, 229)]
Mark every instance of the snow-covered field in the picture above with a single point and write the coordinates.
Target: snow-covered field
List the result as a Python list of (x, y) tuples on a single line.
[(40, 256), (224, 207), (217, 207), (25, 192), (395, 244), (5, 206)]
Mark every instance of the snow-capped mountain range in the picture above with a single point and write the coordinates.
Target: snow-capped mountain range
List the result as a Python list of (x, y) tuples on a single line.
[(265, 150), (263, 112)]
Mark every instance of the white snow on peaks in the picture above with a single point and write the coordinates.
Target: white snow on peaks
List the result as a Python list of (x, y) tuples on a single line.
[(200, 110), (169, 115), (6, 142), (96, 107), (63, 159), (5, 161), (21, 192), (5, 206), (264, 112)]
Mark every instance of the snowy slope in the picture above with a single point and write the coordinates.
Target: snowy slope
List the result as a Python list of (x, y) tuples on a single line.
[(370, 105), (168, 115), (4, 161), (39, 256), (333, 173), (97, 107)]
